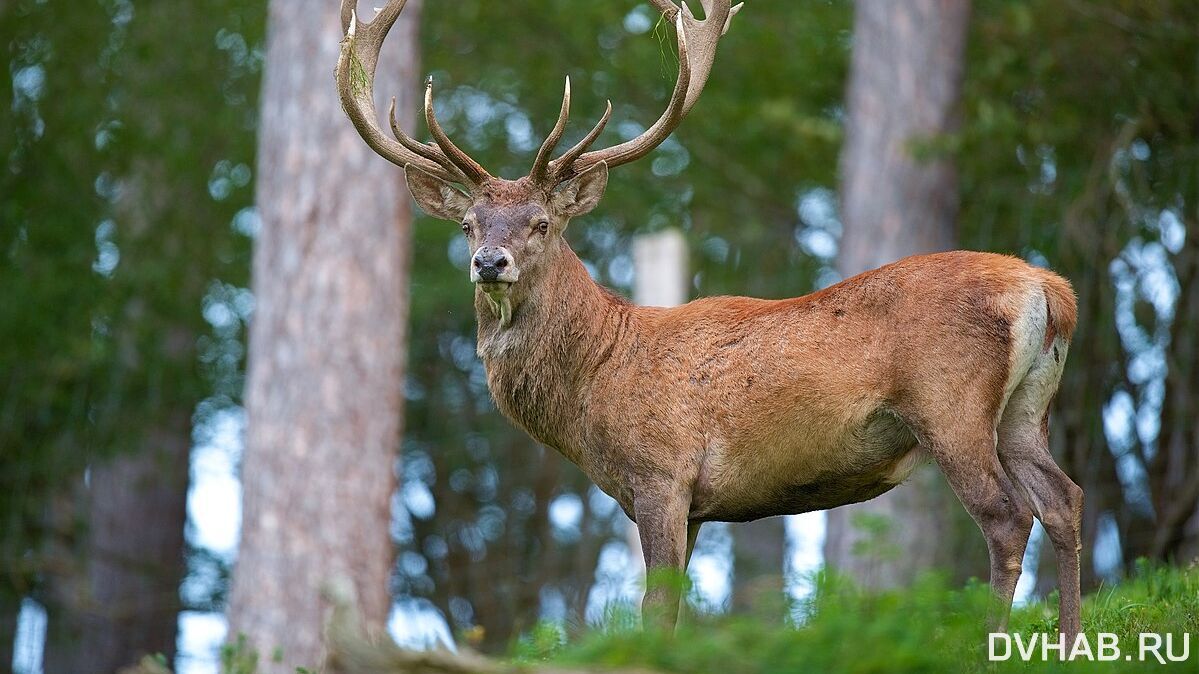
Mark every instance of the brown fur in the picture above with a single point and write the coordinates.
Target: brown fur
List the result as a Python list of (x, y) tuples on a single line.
[(732, 408), (1061, 305), (739, 371)]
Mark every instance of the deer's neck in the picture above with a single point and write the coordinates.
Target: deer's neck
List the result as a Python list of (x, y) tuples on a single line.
[(540, 366)]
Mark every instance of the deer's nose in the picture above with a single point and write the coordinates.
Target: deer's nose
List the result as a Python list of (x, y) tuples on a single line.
[(490, 262)]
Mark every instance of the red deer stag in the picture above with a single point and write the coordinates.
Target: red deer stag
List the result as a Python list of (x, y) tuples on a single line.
[(733, 408)]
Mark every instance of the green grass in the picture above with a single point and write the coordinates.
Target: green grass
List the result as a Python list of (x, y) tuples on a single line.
[(843, 630), (928, 628)]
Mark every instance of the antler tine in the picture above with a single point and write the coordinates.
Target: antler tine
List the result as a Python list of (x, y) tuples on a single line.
[(348, 9), (355, 76), (702, 38), (568, 158), (697, 51), (427, 151), (469, 167), (638, 147), (540, 171)]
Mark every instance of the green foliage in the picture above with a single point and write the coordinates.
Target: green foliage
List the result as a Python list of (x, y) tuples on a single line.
[(841, 629), (927, 628), (540, 643), (126, 152), (239, 657), (1051, 90), (1160, 599)]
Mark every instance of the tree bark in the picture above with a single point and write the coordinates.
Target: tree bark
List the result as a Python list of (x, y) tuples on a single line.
[(9, 611), (900, 197), (327, 343), (123, 601), (759, 552)]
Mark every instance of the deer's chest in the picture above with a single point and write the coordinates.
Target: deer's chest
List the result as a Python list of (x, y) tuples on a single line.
[(538, 399), (556, 414)]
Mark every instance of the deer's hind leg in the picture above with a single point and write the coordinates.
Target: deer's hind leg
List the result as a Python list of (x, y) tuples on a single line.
[(1052, 495), (963, 445)]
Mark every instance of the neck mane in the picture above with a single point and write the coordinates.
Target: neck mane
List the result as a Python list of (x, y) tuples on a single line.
[(560, 334)]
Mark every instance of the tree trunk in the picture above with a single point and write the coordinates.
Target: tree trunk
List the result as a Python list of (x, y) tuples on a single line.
[(759, 551), (123, 602), (900, 197), (327, 343), (9, 611)]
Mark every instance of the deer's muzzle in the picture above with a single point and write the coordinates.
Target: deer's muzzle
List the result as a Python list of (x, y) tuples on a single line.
[(493, 264)]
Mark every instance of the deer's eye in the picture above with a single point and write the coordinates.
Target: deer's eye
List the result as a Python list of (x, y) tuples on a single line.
[(465, 228), (543, 226)]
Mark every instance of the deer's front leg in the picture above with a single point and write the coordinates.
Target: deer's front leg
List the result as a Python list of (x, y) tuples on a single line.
[(662, 524)]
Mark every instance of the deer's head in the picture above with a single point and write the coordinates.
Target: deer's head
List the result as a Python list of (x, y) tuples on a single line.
[(514, 227)]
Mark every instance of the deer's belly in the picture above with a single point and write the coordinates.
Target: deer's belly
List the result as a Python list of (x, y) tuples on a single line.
[(806, 471)]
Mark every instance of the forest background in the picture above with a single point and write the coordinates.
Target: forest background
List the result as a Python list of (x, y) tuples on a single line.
[(146, 171)]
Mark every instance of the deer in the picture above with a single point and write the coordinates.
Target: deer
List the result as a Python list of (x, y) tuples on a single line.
[(735, 408)]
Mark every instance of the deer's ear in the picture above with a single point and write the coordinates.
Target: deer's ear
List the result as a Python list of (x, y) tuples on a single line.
[(435, 196), (580, 194)]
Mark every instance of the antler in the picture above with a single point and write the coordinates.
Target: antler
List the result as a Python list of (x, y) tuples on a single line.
[(356, 79), (697, 51), (462, 161), (355, 86), (702, 37)]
